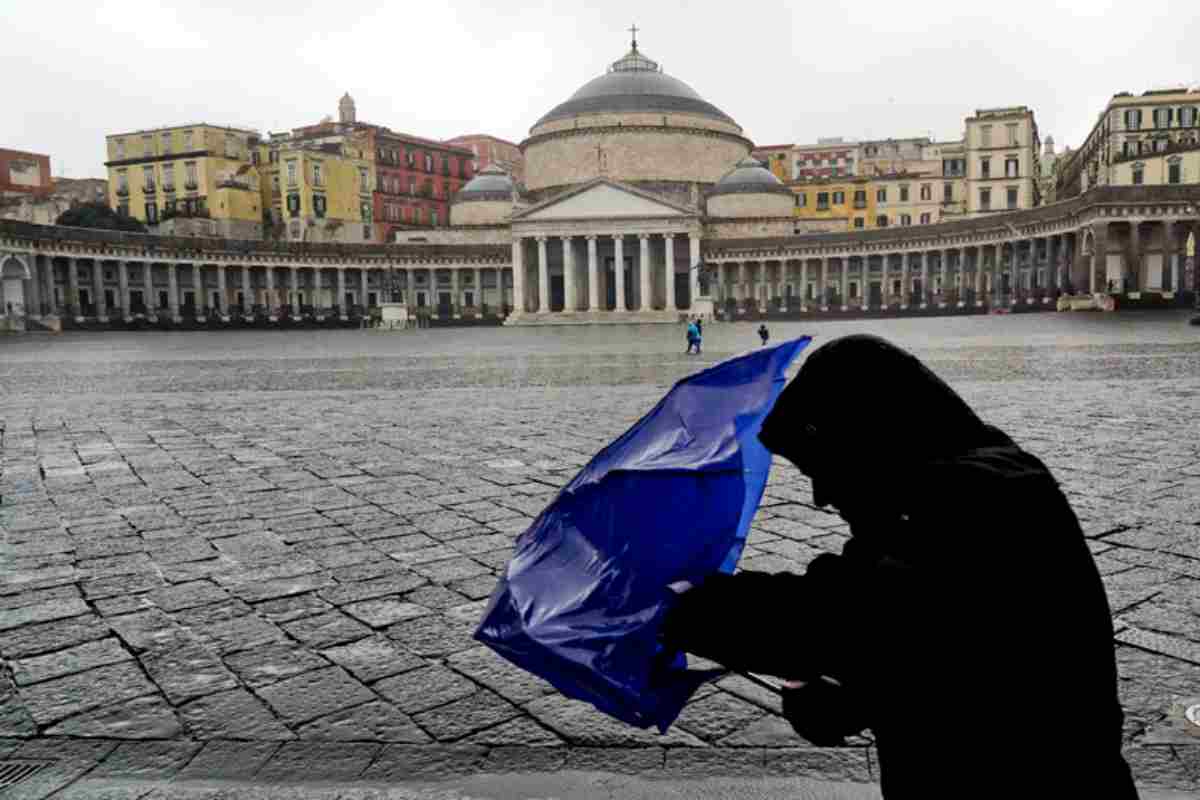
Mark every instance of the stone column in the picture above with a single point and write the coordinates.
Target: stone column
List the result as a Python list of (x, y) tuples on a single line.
[(823, 289), (1099, 265), (294, 279), (669, 272), (845, 287), (884, 263), (693, 267), (197, 291), (781, 284), (1133, 271), (33, 295), (317, 305), (1032, 269), (905, 284), (221, 293), (979, 259), (619, 267), (1168, 255), (925, 289), (865, 287), (739, 290), (270, 276), (98, 289), (342, 311), (518, 268), (73, 304), (410, 287), (645, 285), (570, 300), (477, 285), (943, 275), (593, 275), (173, 292), (543, 277), (804, 284)]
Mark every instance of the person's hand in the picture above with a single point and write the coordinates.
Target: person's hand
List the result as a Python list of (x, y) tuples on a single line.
[(823, 712)]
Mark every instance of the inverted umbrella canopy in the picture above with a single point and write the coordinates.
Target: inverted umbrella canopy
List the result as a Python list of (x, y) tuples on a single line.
[(583, 598)]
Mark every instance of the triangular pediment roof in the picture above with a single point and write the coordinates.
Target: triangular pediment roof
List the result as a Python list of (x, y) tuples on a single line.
[(601, 198)]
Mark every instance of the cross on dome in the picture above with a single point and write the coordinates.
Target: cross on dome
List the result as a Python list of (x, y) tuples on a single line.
[(634, 29)]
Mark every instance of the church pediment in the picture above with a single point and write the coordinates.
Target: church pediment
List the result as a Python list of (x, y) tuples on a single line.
[(603, 200)]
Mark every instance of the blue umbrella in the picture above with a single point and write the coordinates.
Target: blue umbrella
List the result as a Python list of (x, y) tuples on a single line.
[(582, 601)]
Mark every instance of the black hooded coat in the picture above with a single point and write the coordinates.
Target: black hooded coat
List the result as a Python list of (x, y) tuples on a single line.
[(964, 623)]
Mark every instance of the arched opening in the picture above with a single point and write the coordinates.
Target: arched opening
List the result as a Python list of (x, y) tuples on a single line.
[(13, 274)]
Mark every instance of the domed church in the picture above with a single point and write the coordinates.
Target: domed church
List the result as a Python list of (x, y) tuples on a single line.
[(623, 182)]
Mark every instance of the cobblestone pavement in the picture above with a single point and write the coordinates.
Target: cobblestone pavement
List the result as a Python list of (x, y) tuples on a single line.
[(262, 556)]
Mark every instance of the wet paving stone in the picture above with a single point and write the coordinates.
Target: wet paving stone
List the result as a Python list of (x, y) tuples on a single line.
[(297, 556)]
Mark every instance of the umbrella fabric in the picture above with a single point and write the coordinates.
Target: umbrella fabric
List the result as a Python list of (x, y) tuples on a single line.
[(582, 601)]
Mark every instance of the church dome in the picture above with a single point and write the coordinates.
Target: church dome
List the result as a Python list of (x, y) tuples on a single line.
[(635, 83), (490, 183), (749, 176)]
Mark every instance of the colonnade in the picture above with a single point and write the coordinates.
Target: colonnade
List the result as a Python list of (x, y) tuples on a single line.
[(105, 289), (587, 264)]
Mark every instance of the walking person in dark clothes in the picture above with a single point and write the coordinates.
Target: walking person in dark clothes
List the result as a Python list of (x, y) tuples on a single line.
[(964, 633), (763, 333)]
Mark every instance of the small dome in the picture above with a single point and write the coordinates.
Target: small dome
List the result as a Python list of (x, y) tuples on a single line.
[(749, 176), (490, 183)]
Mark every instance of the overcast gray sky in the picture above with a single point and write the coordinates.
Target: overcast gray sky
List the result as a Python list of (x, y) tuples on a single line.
[(786, 71)]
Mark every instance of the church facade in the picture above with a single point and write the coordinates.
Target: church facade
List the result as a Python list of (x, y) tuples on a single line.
[(640, 203)]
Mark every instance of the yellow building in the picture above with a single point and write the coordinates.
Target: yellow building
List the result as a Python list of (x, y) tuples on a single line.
[(318, 191), (913, 199), (200, 172), (836, 204)]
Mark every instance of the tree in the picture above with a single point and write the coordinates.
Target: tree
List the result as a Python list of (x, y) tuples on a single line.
[(99, 215)]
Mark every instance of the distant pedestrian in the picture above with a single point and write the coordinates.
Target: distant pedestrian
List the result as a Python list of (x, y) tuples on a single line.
[(700, 327), (693, 338), (764, 334)]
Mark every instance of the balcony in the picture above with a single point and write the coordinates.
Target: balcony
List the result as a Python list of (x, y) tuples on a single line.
[(122, 191), (149, 188), (191, 186), (169, 188), (860, 203)]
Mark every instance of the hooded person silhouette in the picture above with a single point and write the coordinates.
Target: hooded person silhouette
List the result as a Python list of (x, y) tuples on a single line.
[(964, 622)]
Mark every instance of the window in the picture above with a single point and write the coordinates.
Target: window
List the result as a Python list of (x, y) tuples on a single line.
[(1012, 134), (151, 213), (1012, 196), (318, 203), (906, 219), (445, 165), (275, 184), (316, 174), (1139, 173), (364, 211), (1163, 117), (412, 185), (860, 198), (293, 205), (166, 143), (120, 148), (291, 172), (417, 216), (364, 180), (1133, 119), (433, 217), (169, 177), (1012, 167), (801, 200), (839, 198), (926, 218), (881, 221), (926, 191), (147, 145), (231, 147), (881, 195), (985, 168), (903, 194), (822, 201), (1187, 116), (122, 182), (187, 140), (147, 179), (1174, 171), (428, 163), (985, 136), (859, 222), (985, 199)]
